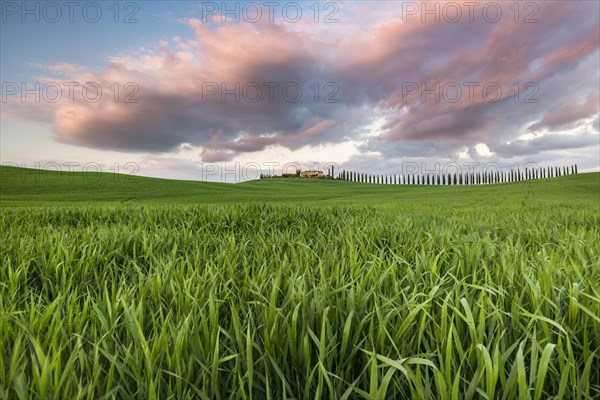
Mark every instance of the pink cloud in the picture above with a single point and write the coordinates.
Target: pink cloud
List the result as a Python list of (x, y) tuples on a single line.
[(369, 63)]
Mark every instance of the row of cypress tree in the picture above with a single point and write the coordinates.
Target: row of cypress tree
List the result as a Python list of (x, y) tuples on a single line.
[(472, 178)]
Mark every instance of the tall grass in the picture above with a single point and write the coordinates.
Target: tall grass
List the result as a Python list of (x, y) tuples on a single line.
[(294, 301)]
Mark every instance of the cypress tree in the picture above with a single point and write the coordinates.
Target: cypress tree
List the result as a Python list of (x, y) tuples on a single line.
[(575, 168)]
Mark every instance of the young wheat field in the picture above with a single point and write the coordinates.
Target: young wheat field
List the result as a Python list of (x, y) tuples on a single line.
[(151, 289)]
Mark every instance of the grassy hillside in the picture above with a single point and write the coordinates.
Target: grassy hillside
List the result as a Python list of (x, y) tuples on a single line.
[(20, 186), (136, 288)]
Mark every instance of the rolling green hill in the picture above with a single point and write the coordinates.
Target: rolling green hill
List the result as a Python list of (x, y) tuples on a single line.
[(20, 186)]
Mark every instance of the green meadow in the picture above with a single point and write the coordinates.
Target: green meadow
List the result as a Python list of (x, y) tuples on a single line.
[(125, 287)]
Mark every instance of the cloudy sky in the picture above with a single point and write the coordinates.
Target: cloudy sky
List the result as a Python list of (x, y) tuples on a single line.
[(213, 90)]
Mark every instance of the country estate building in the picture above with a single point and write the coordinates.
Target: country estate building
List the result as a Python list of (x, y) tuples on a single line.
[(311, 174)]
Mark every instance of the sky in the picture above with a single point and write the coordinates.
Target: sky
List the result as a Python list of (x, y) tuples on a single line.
[(224, 91)]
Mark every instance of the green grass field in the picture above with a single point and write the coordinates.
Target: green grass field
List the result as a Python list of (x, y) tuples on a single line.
[(129, 287)]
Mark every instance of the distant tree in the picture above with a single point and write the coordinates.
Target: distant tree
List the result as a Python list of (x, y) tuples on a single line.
[(575, 168)]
